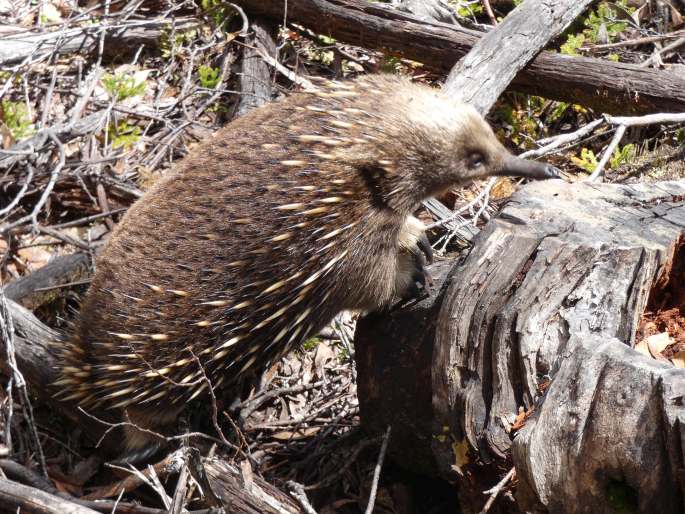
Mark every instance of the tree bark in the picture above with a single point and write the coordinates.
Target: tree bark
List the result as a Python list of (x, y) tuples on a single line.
[(486, 71), (251, 495), (18, 44), (255, 80), (15, 497), (42, 285), (550, 290), (602, 85)]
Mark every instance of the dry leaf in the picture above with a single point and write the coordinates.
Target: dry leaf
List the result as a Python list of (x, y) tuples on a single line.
[(324, 353), (643, 348), (6, 135), (34, 256), (461, 455), (658, 343), (503, 188), (303, 433), (678, 359)]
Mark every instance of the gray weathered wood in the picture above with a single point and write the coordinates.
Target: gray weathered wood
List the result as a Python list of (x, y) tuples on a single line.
[(256, 79), (603, 85), (18, 45), (486, 71), (42, 285), (611, 422), (554, 287), (15, 497), (248, 495)]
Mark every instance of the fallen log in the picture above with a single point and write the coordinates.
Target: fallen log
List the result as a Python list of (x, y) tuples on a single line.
[(19, 44), (553, 289), (41, 286), (16, 497), (602, 85), (483, 74), (249, 495)]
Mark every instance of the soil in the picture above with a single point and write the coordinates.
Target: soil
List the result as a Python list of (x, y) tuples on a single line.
[(665, 310)]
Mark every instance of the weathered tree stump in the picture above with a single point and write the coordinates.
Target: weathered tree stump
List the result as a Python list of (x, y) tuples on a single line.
[(541, 315)]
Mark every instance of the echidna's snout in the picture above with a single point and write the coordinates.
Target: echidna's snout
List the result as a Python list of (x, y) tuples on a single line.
[(518, 167)]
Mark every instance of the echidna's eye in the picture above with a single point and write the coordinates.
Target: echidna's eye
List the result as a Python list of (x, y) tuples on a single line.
[(476, 159)]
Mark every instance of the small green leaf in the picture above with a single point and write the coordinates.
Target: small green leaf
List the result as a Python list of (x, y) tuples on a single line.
[(209, 77), (121, 86), (587, 160), (123, 135), (16, 117)]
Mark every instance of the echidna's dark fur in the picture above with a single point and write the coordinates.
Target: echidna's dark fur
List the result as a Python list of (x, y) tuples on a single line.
[(262, 234)]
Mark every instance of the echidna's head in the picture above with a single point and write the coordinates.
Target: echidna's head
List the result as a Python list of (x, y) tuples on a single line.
[(435, 143)]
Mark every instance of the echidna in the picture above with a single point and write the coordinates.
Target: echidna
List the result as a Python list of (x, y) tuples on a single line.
[(253, 242)]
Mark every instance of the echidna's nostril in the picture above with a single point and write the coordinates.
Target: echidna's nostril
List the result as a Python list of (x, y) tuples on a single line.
[(552, 171)]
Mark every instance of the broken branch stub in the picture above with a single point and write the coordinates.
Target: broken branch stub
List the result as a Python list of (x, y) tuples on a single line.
[(483, 74)]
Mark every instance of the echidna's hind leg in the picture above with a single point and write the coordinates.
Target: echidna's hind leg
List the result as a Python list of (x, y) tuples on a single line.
[(144, 433)]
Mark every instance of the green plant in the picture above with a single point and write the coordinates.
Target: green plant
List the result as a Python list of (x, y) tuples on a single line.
[(558, 111), (573, 43), (467, 9), (679, 136), (605, 16), (623, 156), (167, 44), (587, 160), (326, 40), (209, 77), (603, 20), (121, 86), (219, 12), (520, 114), (16, 117), (311, 343), (123, 135), (390, 64)]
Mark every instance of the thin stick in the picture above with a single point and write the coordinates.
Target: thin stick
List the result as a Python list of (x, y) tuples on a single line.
[(490, 13), (377, 472), (553, 143), (297, 491), (74, 241), (599, 170), (7, 332), (635, 42), (664, 51), (494, 492), (649, 119), (290, 75), (21, 192)]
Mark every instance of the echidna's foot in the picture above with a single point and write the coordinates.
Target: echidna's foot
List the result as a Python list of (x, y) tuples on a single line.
[(145, 432), (139, 455), (425, 246), (419, 289), (421, 295)]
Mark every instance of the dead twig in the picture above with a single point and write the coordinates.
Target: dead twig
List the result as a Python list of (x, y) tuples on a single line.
[(377, 472), (494, 492), (297, 491)]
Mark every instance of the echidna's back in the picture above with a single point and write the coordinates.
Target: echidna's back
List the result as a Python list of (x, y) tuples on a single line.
[(228, 260)]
